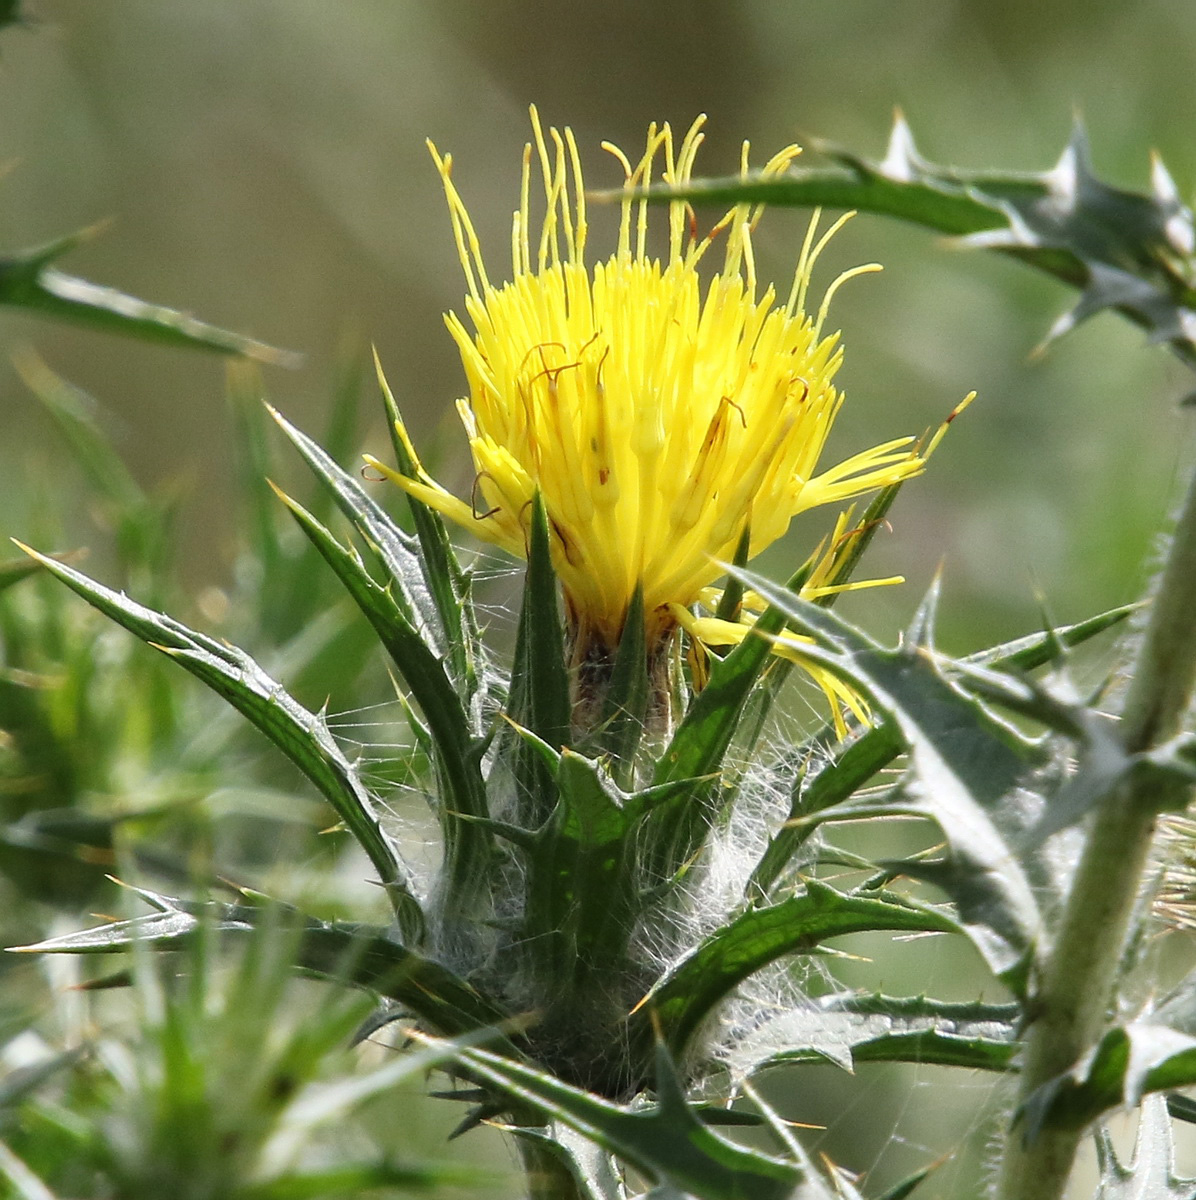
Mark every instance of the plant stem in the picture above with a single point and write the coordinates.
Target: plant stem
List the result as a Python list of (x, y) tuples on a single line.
[(547, 1176), (1079, 975)]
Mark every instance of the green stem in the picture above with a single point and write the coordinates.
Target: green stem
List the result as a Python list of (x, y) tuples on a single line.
[(547, 1176), (1079, 975)]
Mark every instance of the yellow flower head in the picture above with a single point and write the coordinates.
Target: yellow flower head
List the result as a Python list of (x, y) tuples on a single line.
[(659, 415)]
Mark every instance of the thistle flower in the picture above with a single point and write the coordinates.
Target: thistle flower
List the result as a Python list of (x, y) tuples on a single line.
[(658, 416)]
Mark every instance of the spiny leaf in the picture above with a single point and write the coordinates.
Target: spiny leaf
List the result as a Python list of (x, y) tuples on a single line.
[(446, 582), (582, 886), (873, 749), (625, 706), (300, 735), (697, 748), (690, 991), (29, 281), (1181, 1107), (539, 700), (852, 1028), (366, 956), (962, 763), (1150, 1175), (1130, 1062), (667, 1143), (583, 891), (393, 549), (1038, 649), (1131, 251), (589, 1166), (457, 754)]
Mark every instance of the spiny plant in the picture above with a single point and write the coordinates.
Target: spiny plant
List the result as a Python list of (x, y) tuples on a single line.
[(234, 1082), (235, 1085), (78, 768), (627, 837), (98, 762)]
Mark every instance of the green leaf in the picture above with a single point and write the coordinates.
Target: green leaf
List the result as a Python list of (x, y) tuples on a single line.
[(868, 753), (582, 888), (1125, 250), (667, 1143), (846, 1029), (301, 735), (29, 281), (625, 706), (446, 582), (962, 763), (1039, 649), (583, 901), (366, 956), (394, 550), (23, 1181), (1151, 1172), (1181, 1107), (860, 185), (539, 700), (692, 989), (458, 755), (356, 1179), (588, 1166), (701, 740), (1164, 774), (1131, 1062)]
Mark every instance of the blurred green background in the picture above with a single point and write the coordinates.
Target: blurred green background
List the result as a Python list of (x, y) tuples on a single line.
[(262, 163), (263, 166)]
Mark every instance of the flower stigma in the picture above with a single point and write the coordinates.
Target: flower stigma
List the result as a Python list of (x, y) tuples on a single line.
[(660, 417)]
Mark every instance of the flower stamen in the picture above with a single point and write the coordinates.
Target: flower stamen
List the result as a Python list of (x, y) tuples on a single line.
[(657, 413)]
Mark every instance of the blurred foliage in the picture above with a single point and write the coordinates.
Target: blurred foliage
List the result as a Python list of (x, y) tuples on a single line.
[(217, 1077), (102, 750), (30, 281), (202, 1079)]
